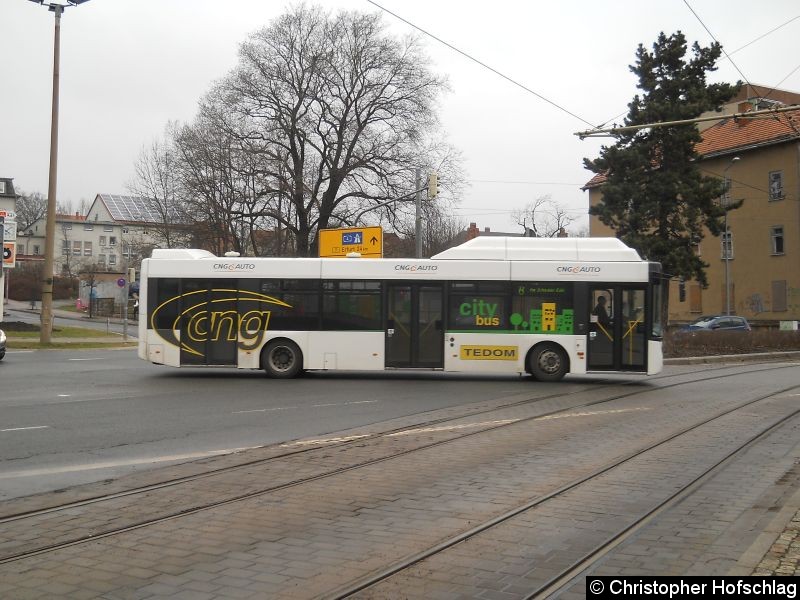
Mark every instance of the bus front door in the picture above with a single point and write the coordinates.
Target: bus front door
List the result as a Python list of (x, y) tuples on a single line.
[(208, 324), (414, 328), (617, 340)]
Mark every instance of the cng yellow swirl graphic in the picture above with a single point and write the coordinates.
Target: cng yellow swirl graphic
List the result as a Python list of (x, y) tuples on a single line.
[(230, 316)]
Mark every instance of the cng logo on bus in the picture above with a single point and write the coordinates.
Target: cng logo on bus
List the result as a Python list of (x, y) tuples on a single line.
[(230, 316), (489, 352)]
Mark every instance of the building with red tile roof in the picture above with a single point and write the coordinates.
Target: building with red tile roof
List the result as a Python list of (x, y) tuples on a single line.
[(753, 268)]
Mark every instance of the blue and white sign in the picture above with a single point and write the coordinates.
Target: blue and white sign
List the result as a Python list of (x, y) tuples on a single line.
[(353, 238)]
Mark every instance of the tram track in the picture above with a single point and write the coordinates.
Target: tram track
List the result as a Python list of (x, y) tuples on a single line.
[(580, 566), (95, 534), (361, 439)]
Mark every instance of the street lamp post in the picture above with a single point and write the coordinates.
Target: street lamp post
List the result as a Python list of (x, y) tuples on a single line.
[(46, 317), (728, 242)]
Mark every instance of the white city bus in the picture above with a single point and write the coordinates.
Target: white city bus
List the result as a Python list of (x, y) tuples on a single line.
[(490, 305)]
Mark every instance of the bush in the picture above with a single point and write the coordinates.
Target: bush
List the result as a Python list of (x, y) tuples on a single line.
[(679, 343), (26, 284)]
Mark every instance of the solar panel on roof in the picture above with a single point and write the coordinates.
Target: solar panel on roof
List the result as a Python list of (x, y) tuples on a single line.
[(131, 208)]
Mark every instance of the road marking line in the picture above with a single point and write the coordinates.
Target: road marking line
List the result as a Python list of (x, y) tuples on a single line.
[(64, 395), (324, 441), (240, 412), (25, 428), (98, 358), (451, 427), (344, 403), (591, 414), (257, 410), (121, 463)]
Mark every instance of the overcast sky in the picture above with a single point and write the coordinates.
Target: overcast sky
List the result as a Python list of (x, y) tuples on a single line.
[(129, 66)]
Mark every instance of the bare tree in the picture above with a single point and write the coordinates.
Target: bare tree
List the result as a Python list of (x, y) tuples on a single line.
[(222, 186), (543, 217), (338, 111), (68, 264), (30, 208), (156, 180)]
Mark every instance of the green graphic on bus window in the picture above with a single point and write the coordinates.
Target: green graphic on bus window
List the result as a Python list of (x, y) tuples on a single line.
[(545, 320), (540, 307)]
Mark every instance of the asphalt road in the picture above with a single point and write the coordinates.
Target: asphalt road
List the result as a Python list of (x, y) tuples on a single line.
[(69, 417)]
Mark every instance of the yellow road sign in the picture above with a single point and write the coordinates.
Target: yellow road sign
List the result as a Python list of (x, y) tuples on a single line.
[(366, 241)]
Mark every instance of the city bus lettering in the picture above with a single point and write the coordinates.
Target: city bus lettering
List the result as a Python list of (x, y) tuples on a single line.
[(485, 313)]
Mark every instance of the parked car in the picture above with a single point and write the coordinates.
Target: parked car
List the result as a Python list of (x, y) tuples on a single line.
[(719, 323), (2, 344)]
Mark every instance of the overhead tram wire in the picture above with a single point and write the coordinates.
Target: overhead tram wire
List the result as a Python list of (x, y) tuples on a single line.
[(728, 56), (767, 95), (484, 65), (753, 41), (524, 182), (762, 36)]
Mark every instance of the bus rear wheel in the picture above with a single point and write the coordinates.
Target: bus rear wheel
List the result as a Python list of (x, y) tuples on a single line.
[(547, 362), (282, 359)]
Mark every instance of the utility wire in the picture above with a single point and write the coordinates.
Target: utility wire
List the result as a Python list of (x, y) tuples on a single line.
[(484, 65), (686, 2), (765, 35), (524, 182), (753, 41)]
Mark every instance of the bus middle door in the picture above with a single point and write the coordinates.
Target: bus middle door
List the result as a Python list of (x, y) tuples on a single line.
[(414, 328)]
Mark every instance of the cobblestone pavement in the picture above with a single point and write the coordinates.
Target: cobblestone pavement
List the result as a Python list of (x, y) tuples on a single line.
[(783, 557), (304, 540)]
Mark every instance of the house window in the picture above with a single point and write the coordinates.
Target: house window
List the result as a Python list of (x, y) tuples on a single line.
[(87, 248), (20, 249), (36, 250), (102, 240), (2, 187), (124, 230), (76, 248), (776, 185), (127, 252), (727, 245), (88, 227), (66, 226), (112, 259), (776, 234), (101, 258), (64, 247), (112, 240), (726, 195), (108, 228)]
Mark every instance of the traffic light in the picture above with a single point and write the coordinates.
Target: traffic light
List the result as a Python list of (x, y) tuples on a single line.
[(433, 185)]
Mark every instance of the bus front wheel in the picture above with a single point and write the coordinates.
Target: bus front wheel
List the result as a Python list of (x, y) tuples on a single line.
[(547, 362), (282, 359)]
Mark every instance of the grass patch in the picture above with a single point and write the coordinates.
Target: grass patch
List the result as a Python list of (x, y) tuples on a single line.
[(25, 336), (17, 344), (60, 332)]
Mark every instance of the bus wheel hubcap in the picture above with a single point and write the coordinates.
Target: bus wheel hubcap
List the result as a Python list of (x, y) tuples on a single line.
[(282, 358), (549, 362)]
